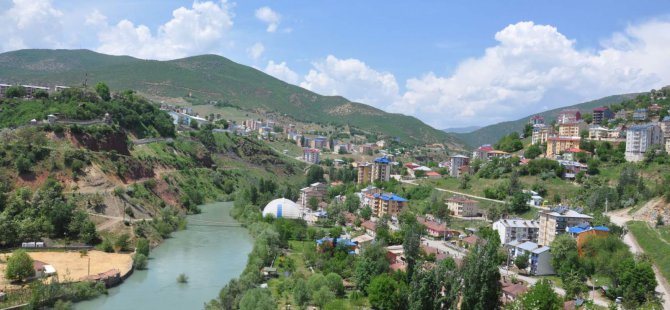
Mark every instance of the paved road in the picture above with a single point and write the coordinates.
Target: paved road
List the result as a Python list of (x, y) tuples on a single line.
[(621, 217)]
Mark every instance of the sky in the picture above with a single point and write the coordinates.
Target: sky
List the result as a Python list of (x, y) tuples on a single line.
[(448, 63)]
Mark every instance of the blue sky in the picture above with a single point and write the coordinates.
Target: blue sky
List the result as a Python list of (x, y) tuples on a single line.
[(449, 63)]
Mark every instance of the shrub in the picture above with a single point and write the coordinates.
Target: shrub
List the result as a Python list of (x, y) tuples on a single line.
[(182, 278), (19, 266), (142, 247), (106, 246), (140, 261)]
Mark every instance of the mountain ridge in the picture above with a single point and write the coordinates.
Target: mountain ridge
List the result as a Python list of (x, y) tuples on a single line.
[(205, 78)]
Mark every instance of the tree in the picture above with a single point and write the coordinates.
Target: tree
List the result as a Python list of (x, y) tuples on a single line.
[(372, 262), (313, 203), (352, 202), (300, 292), (519, 202), (315, 174), (257, 299), (435, 289), (481, 278), (103, 91), (335, 284), (532, 152), (142, 247), (564, 256), (521, 261), (383, 292), (23, 164), (465, 181), (366, 213), (541, 296), (15, 92), (19, 266), (322, 296), (411, 245)]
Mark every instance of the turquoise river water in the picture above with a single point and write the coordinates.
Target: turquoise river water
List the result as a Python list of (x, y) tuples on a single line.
[(209, 253)]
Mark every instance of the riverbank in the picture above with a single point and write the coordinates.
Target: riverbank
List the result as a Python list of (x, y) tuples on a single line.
[(211, 251)]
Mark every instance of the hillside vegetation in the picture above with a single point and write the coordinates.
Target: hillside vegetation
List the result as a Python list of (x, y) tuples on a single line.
[(209, 79)]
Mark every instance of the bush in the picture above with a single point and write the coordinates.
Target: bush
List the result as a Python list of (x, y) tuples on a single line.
[(140, 261), (122, 243), (182, 278), (19, 266), (142, 247), (106, 246)]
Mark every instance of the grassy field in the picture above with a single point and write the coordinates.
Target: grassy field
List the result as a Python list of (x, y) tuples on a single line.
[(655, 244)]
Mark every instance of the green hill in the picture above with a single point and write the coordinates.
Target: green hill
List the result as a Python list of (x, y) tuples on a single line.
[(209, 78), (492, 133)]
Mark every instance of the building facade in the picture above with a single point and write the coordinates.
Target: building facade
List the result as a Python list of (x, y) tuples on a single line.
[(317, 190), (556, 145), (640, 138), (311, 155), (602, 115), (555, 221), (387, 203), (462, 206), (520, 230), (539, 257), (571, 129), (568, 116), (541, 133), (456, 163)]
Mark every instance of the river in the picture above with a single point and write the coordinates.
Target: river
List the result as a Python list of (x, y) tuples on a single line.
[(209, 254)]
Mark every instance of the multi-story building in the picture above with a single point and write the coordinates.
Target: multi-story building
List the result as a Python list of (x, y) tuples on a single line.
[(621, 114), (486, 152), (569, 116), (539, 257), (536, 120), (319, 143), (602, 115), (597, 132), (378, 170), (585, 232), (3, 89), (571, 129), (387, 203), (665, 127), (311, 155), (640, 138), (456, 164), (640, 115), (32, 89), (555, 221), (520, 230), (540, 133), (462, 206), (317, 190), (556, 145)]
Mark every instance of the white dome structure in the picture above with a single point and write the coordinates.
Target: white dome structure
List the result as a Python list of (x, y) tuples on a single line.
[(282, 208)]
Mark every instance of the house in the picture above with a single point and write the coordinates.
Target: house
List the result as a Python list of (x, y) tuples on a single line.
[(555, 221), (540, 134), (456, 164), (387, 203), (311, 155), (412, 169), (572, 168), (584, 232), (395, 254), (569, 154), (433, 175), (571, 129), (535, 199), (362, 241), (370, 228), (539, 257), (317, 190), (597, 132), (556, 145), (470, 241), (640, 115), (568, 116), (486, 152), (464, 207), (511, 291), (366, 148), (437, 253), (434, 229), (517, 229), (536, 120), (640, 138), (367, 196), (43, 269), (602, 115), (31, 90), (622, 114)]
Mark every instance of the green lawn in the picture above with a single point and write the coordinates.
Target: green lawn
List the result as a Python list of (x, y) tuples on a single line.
[(653, 244)]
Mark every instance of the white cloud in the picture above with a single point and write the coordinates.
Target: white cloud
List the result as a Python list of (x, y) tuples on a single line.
[(270, 17), (535, 67), (95, 18), (31, 23), (200, 29), (256, 50), (282, 72), (351, 78)]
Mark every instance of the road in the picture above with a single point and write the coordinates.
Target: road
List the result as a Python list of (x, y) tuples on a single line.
[(621, 217)]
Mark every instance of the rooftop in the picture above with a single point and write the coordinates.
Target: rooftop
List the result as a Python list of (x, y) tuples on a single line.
[(519, 223), (390, 197)]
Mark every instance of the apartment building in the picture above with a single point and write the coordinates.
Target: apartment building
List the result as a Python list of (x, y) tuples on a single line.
[(462, 206), (311, 155), (571, 129), (540, 133), (456, 164), (520, 230), (602, 115), (378, 170), (568, 116), (387, 203), (640, 138), (3, 89), (317, 190), (556, 145), (555, 221)]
